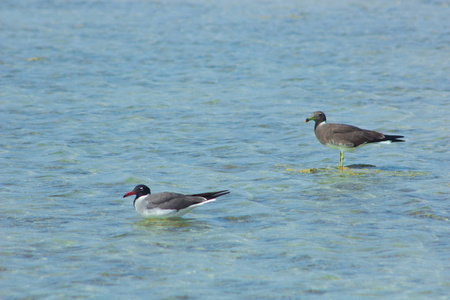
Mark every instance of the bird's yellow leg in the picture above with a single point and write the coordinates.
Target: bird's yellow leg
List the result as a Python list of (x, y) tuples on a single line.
[(341, 161)]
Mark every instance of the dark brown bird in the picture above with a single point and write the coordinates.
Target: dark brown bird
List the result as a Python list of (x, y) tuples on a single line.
[(346, 137)]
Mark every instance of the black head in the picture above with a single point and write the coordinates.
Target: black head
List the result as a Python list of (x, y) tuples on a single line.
[(318, 117), (139, 190)]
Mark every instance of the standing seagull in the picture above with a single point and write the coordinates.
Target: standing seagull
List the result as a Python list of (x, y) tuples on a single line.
[(346, 137), (168, 205)]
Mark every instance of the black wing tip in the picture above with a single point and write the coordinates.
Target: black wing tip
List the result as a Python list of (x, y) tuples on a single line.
[(394, 138), (212, 195), (221, 193)]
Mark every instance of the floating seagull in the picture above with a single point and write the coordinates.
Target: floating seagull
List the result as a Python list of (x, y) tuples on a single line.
[(346, 137), (168, 205)]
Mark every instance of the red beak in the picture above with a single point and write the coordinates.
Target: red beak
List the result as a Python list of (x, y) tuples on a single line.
[(129, 194)]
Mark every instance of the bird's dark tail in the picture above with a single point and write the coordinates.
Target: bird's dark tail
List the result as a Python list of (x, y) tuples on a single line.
[(211, 195), (389, 138), (393, 138)]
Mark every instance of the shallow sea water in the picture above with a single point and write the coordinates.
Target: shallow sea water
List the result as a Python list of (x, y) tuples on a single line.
[(196, 96)]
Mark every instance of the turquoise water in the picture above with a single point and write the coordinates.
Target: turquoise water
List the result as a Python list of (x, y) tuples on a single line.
[(196, 96)]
